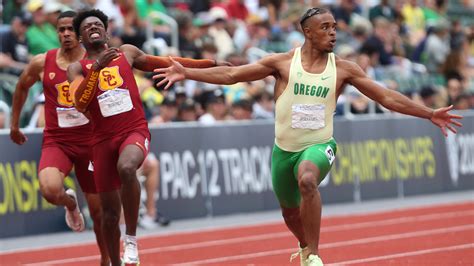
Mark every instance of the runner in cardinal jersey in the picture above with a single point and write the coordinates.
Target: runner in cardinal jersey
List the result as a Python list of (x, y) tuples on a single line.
[(66, 137), (103, 86)]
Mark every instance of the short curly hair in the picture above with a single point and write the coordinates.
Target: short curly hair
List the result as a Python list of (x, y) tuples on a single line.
[(89, 13)]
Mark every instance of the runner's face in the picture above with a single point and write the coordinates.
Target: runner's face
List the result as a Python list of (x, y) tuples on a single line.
[(67, 36), (321, 31), (93, 31)]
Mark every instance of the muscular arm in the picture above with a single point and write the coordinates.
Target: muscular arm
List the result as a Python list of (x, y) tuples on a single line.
[(148, 63), (27, 79), (390, 99), (230, 75), (82, 88)]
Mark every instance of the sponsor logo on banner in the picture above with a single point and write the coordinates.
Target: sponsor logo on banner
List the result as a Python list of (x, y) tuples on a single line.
[(460, 153), (215, 172)]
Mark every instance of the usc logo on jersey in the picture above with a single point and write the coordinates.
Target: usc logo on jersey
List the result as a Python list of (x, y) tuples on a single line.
[(64, 95), (110, 78)]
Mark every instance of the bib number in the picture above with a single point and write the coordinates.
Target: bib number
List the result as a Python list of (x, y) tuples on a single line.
[(115, 102), (70, 117), (308, 116)]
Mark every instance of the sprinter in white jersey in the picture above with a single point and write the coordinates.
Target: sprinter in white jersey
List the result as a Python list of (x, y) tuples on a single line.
[(309, 80)]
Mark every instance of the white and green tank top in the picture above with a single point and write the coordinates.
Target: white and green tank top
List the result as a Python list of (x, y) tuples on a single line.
[(305, 109)]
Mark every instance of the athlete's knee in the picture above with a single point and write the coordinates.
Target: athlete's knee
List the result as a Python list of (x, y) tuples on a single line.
[(96, 214), (308, 183), (127, 171), (51, 192), (110, 217)]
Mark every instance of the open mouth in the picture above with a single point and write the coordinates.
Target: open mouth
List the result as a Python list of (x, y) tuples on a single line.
[(94, 35)]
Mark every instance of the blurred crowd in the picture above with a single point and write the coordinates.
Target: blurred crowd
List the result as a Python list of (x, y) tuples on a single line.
[(425, 49)]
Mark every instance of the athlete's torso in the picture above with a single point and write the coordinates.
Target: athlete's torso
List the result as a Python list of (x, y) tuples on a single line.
[(63, 122), (305, 108), (116, 107)]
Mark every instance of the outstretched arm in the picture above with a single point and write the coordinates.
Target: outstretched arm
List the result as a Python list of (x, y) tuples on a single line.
[(218, 75), (396, 101), (148, 63), (27, 79)]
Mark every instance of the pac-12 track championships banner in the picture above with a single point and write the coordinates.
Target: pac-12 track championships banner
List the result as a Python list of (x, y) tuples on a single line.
[(208, 171)]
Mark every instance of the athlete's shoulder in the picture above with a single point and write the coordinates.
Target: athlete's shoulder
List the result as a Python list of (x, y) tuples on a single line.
[(343, 64), (278, 58), (38, 60)]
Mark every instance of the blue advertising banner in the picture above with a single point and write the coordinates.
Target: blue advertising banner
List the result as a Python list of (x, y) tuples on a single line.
[(224, 169)]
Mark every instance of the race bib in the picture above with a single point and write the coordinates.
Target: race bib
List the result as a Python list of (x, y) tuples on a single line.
[(308, 116), (70, 117), (115, 102)]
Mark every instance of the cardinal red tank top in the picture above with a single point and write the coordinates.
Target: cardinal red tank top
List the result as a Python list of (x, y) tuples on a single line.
[(63, 122), (116, 107)]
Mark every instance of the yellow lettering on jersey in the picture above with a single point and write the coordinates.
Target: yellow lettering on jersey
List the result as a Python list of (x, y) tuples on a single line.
[(64, 96), (110, 78)]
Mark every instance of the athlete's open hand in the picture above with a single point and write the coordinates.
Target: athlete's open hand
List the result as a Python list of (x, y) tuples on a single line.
[(170, 75), (106, 57), (443, 119), (17, 136)]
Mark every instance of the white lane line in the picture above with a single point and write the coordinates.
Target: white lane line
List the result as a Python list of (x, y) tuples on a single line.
[(334, 244), (324, 229), (272, 252), (405, 254)]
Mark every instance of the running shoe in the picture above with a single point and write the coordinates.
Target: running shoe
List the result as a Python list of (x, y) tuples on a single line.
[(74, 218), (314, 260), (300, 252), (130, 253)]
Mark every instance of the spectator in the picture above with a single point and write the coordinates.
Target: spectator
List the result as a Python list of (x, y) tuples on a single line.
[(462, 102), (216, 108), (428, 97), (110, 8), (14, 46), (12, 8), (454, 89), (384, 9), (236, 9), (437, 47), (201, 35), (37, 119), (242, 110), (222, 39), (187, 48), (187, 111), (454, 65), (168, 111), (52, 9), (433, 11), (41, 36), (415, 21), (378, 42), (263, 108)]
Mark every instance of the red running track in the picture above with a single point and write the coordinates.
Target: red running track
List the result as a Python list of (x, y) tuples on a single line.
[(435, 235)]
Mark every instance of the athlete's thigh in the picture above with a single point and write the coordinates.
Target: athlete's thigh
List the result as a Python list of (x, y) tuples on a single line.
[(54, 166), (322, 155), (84, 174), (285, 184), (134, 148), (104, 159)]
